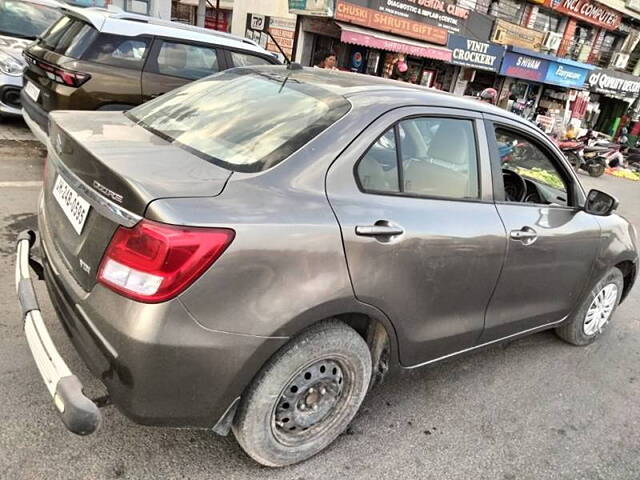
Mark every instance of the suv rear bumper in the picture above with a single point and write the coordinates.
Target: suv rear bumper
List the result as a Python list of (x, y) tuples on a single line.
[(35, 117)]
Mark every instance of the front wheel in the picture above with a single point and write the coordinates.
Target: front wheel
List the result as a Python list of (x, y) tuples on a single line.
[(305, 396), (574, 160), (595, 312)]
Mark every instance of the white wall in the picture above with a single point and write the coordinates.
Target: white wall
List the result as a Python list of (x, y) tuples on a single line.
[(272, 8), (157, 8)]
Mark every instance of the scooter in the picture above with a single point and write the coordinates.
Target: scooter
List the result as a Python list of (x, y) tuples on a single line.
[(591, 159)]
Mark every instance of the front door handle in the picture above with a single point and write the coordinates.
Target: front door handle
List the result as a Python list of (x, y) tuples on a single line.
[(378, 230), (526, 235)]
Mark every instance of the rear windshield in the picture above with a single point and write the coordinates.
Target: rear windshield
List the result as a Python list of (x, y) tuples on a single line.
[(22, 19), (244, 120), (69, 36)]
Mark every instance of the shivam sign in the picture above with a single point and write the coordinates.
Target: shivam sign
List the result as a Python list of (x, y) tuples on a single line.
[(475, 54), (524, 66)]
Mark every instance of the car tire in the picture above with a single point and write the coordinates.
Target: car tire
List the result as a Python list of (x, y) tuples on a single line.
[(596, 170), (596, 311), (305, 396)]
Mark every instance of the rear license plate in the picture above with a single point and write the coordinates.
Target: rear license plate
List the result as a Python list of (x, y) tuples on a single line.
[(32, 91), (73, 205)]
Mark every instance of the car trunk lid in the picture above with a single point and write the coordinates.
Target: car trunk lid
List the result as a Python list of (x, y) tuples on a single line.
[(118, 168)]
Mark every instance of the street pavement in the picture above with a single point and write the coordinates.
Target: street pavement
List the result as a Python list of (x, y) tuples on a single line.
[(535, 408)]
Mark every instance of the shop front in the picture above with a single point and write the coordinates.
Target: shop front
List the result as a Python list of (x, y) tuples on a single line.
[(542, 87), (613, 95), (479, 62), (377, 37)]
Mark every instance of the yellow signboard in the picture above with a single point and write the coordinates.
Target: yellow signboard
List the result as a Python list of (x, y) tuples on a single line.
[(506, 33)]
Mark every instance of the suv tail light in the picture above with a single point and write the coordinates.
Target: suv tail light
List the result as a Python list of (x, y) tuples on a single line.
[(57, 74), (154, 262)]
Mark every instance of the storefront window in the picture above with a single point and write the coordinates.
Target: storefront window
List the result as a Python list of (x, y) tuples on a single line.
[(610, 44), (580, 46), (509, 10), (546, 22), (480, 6)]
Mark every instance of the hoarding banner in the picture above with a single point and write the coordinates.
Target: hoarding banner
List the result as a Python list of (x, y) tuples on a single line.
[(588, 11), (613, 83), (566, 75), (437, 13), (475, 54), (318, 8), (506, 33)]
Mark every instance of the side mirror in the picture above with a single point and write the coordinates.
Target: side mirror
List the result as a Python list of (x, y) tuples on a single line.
[(600, 203)]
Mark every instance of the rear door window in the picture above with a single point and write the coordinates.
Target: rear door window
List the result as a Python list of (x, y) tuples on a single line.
[(436, 158), (246, 60), (187, 61), (118, 51)]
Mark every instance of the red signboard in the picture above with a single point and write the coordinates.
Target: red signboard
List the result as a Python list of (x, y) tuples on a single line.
[(367, 17), (588, 11)]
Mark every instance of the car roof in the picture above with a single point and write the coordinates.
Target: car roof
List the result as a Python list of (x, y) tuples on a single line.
[(116, 21), (357, 86), (49, 3)]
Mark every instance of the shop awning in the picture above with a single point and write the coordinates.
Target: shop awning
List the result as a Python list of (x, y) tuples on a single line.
[(392, 43)]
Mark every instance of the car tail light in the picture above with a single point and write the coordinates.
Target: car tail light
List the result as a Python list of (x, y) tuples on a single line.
[(153, 262)]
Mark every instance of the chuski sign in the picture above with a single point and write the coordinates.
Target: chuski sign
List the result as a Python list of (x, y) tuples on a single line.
[(476, 52)]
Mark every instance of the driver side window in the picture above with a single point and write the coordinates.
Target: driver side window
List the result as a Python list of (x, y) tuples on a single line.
[(529, 174)]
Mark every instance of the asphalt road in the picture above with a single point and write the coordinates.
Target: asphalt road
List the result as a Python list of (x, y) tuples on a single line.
[(535, 408)]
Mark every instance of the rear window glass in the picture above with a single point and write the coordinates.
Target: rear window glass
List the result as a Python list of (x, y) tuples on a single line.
[(118, 51), (69, 37), (244, 120)]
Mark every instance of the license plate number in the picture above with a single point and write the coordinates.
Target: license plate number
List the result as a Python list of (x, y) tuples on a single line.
[(73, 205), (32, 91)]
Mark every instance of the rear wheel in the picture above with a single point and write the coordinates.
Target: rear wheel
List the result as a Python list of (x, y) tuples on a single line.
[(305, 396), (595, 312), (596, 169)]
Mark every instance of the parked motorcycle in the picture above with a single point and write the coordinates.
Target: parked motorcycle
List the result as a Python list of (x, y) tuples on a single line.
[(591, 159)]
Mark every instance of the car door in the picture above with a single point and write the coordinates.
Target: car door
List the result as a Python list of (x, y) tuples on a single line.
[(422, 237), (552, 242), (173, 63)]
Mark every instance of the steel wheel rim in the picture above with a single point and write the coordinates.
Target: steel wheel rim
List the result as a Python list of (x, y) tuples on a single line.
[(600, 309), (296, 406)]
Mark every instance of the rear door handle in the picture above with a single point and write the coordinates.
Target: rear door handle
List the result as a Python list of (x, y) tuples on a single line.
[(526, 235), (378, 230)]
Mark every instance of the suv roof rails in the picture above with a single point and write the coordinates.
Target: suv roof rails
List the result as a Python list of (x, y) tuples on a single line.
[(122, 15)]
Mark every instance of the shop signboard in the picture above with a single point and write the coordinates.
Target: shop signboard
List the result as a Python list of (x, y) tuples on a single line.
[(404, 17), (475, 54), (588, 11), (507, 33), (524, 66), (319, 8), (610, 82), (566, 75)]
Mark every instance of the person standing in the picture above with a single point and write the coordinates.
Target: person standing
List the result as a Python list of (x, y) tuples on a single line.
[(326, 59)]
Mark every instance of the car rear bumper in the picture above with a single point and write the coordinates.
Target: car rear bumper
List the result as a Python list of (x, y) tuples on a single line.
[(159, 366), (35, 117), (79, 414)]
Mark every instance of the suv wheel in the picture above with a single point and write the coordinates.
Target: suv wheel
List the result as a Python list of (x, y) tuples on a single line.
[(595, 312), (305, 396)]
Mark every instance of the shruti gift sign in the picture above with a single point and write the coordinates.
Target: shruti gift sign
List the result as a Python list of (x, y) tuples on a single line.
[(588, 11)]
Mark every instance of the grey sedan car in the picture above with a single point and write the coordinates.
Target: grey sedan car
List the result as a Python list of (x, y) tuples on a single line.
[(253, 251)]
